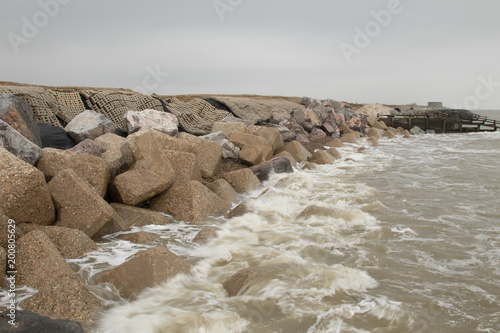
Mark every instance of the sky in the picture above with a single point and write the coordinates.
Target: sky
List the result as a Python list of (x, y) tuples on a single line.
[(364, 51)]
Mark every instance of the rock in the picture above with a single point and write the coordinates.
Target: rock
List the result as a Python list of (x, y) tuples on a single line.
[(309, 102), (229, 150), (4, 232), (232, 119), (27, 321), (55, 137), (321, 157), (242, 180), (19, 115), (240, 282), (350, 138), (288, 136), (223, 190), (116, 224), (282, 118), (361, 149), (3, 265), (24, 195), (239, 210), (205, 235), (307, 118), (241, 139), (112, 153), (214, 136), (145, 269), (328, 128), (373, 141), (302, 138), (272, 136), (347, 113), (17, 144), (297, 150), (140, 237), (335, 143), (277, 165), (148, 143), (333, 104), (406, 134), (373, 110), (88, 147), (255, 154), (373, 133), (161, 121), (139, 217), (61, 294), (229, 127), (345, 129), (146, 179), (389, 134), (78, 205), (335, 153), (430, 131), (185, 165), (89, 125), (393, 130), (92, 169), (71, 243), (309, 166), (317, 134), (380, 125), (209, 154), (190, 202), (288, 156)]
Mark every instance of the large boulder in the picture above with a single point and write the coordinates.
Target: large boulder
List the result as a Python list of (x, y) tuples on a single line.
[(229, 127), (117, 160), (141, 237), (24, 195), (335, 143), (241, 139), (256, 153), (373, 133), (335, 153), (139, 217), (417, 130), (223, 190), (350, 138), (161, 121), (61, 294), (278, 164), (116, 224), (55, 137), (205, 235), (91, 168), (145, 269), (307, 118), (288, 156), (71, 243), (18, 145), (240, 282), (321, 157), (189, 201), (372, 111), (89, 125), (78, 205), (27, 321), (297, 150), (88, 147), (185, 165), (317, 134), (272, 136), (146, 179), (209, 154), (229, 150), (19, 115), (282, 118), (242, 180)]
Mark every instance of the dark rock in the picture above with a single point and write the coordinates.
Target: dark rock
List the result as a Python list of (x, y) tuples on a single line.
[(18, 145), (19, 115), (88, 147), (55, 137), (29, 322), (278, 165)]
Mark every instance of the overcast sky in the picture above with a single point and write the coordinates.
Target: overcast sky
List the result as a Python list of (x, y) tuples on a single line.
[(366, 51)]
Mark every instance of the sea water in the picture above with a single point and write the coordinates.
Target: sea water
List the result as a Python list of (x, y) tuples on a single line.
[(402, 237)]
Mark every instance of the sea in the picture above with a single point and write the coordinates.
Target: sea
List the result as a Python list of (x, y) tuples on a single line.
[(399, 237)]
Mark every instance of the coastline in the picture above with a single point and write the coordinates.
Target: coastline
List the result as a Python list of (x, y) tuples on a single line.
[(185, 171)]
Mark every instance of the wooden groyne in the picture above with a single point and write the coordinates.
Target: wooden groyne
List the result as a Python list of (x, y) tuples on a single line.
[(442, 123)]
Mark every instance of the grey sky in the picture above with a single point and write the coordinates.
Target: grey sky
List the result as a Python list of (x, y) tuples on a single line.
[(426, 50)]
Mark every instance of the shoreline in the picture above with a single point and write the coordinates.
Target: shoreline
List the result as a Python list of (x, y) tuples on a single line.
[(62, 200)]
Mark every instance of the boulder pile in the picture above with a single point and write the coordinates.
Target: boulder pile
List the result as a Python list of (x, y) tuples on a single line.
[(62, 196)]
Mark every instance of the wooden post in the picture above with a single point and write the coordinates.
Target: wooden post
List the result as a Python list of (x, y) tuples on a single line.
[(444, 125), (426, 122)]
